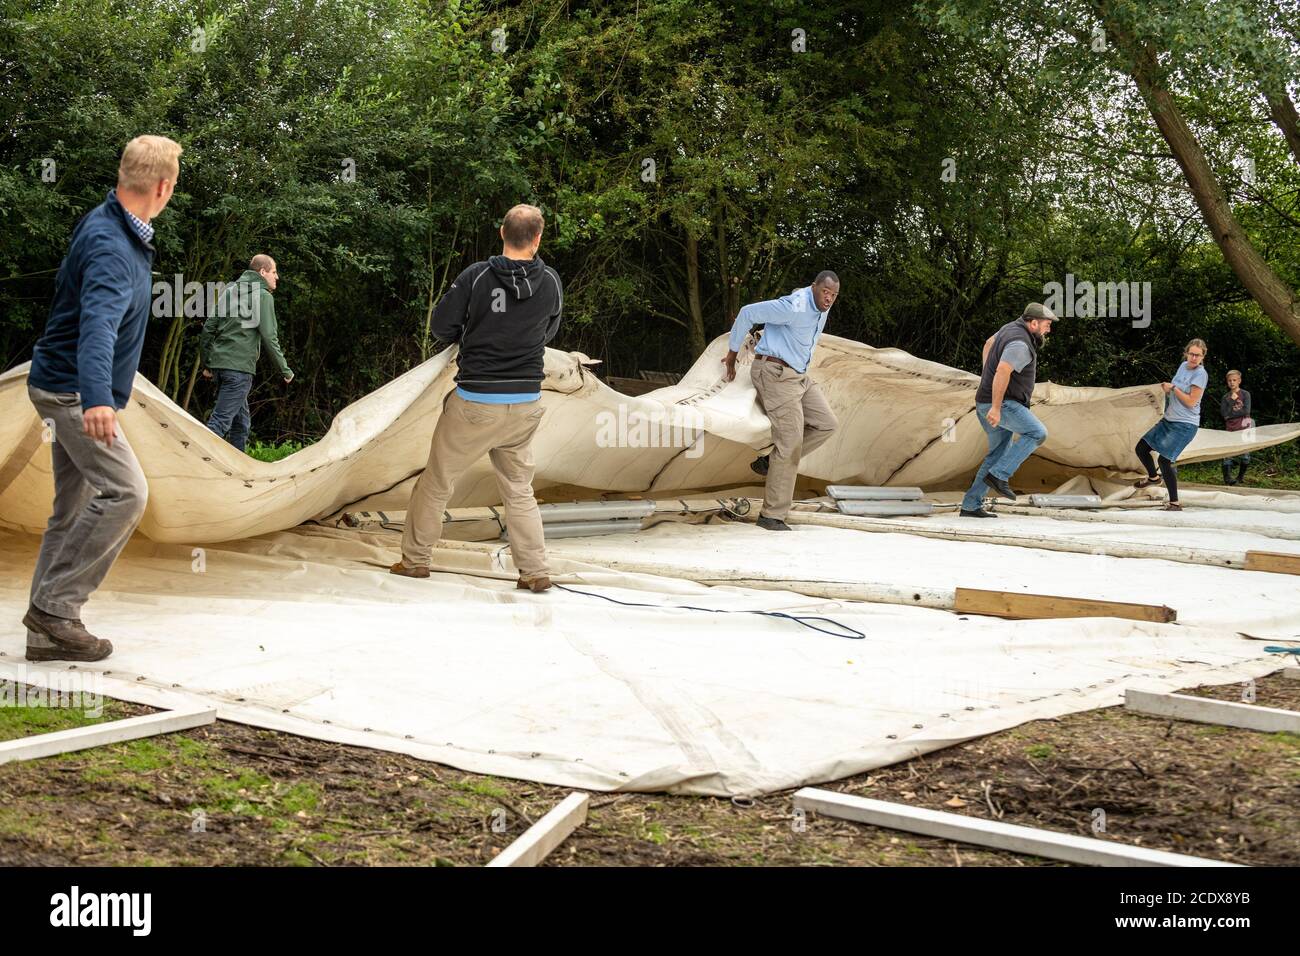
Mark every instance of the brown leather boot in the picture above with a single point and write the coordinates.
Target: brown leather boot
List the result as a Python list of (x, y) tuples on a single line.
[(536, 585), (53, 638), (404, 571)]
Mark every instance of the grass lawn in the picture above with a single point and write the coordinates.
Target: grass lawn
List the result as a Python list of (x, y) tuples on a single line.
[(1277, 467), (227, 794)]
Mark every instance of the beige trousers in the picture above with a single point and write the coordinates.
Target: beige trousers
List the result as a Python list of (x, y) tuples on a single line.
[(801, 420), (465, 433)]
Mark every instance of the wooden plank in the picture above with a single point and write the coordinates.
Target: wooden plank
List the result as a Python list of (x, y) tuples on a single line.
[(110, 732), (1204, 710), (546, 834), (1026, 606), (1275, 561), (990, 833)]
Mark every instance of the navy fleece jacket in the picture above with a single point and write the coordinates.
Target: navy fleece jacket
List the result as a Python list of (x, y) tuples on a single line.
[(95, 333)]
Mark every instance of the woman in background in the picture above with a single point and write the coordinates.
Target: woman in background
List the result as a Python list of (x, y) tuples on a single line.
[(1169, 436)]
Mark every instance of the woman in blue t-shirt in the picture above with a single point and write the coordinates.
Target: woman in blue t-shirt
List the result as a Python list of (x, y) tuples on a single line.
[(1169, 436)]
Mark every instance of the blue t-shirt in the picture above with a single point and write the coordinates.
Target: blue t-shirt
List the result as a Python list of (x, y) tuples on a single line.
[(1186, 379), (498, 398), (1016, 354)]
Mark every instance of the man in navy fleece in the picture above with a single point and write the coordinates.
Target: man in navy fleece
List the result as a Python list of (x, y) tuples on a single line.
[(83, 367)]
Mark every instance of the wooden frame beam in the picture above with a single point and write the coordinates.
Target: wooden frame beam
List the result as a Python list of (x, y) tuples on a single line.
[(1011, 604), (1275, 561), (1206, 710), (546, 834), (109, 732), (989, 833)]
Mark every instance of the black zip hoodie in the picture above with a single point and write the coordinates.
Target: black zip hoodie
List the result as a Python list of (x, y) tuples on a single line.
[(502, 312)]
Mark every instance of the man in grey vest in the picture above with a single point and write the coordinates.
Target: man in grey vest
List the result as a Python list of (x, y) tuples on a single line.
[(1002, 404)]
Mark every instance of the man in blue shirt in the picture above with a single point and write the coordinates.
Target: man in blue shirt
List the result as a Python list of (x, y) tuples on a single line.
[(801, 418), (82, 371)]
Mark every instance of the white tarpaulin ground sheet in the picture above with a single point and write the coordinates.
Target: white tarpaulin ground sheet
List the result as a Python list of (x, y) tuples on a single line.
[(226, 597), (915, 570), (304, 631)]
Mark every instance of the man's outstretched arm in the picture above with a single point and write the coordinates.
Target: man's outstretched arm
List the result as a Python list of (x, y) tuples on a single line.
[(772, 312)]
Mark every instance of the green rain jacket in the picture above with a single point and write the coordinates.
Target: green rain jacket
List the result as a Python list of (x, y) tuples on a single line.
[(233, 338)]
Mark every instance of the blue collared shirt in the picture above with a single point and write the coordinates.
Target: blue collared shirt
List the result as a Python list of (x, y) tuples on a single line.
[(792, 326), (142, 228)]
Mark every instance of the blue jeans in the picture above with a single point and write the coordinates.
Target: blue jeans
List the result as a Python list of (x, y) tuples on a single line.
[(1004, 456), (230, 418)]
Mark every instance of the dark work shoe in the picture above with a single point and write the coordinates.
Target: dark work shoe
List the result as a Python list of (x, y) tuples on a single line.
[(1000, 486), (54, 638), (64, 631), (773, 524), (536, 585), (759, 465), (49, 651), (978, 513), (404, 571)]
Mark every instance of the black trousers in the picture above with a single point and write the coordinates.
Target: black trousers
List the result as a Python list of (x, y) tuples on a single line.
[(1167, 469)]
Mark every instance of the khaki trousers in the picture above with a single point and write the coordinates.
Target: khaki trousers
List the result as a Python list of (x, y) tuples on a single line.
[(802, 421), (466, 432)]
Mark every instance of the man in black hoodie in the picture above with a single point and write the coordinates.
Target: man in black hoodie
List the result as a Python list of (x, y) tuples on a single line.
[(501, 312)]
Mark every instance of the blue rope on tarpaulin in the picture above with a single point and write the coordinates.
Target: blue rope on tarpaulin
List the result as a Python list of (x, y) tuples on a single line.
[(1274, 649), (845, 631)]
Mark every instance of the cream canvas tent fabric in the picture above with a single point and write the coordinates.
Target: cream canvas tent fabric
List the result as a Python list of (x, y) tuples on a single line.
[(612, 682), (903, 421)]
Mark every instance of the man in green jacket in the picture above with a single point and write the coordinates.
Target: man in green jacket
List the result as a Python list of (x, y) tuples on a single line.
[(232, 341)]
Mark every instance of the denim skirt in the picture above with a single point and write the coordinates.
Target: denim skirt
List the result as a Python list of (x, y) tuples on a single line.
[(1170, 438)]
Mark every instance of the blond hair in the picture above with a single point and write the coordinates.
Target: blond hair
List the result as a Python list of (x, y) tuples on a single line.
[(146, 160)]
